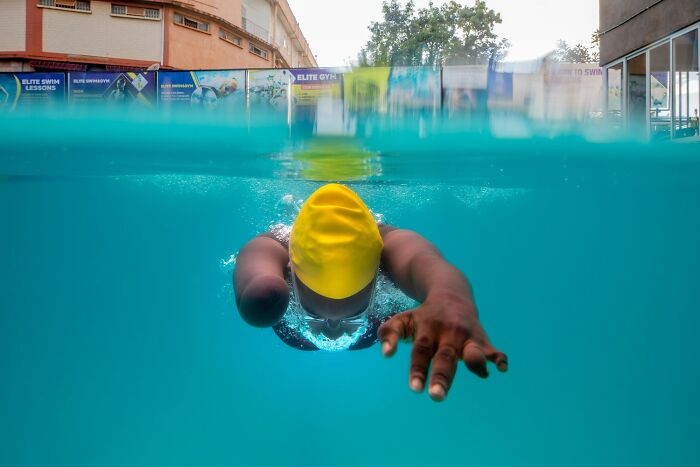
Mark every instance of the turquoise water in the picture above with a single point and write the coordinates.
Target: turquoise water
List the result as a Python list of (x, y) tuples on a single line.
[(120, 344)]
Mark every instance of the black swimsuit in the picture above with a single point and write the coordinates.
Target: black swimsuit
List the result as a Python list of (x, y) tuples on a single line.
[(293, 338)]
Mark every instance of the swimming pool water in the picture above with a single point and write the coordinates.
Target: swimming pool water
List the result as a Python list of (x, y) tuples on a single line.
[(120, 343)]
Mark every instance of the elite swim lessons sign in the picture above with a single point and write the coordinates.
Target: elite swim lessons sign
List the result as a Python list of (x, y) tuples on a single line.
[(31, 88)]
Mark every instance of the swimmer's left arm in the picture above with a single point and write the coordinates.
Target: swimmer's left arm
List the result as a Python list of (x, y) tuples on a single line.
[(259, 281), (445, 327)]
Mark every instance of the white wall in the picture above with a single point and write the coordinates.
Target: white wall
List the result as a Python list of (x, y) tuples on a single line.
[(258, 11), (101, 35), (13, 22)]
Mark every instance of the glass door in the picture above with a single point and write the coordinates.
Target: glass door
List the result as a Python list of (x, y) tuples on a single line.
[(686, 93), (637, 93), (614, 110), (659, 92)]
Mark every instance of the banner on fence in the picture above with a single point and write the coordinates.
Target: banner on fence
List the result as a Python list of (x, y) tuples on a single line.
[(129, 88), (464, 87), (311, 84), (414, 87), (269, 89), (206, 89), (31, 88), (500, 85), (365, 89)]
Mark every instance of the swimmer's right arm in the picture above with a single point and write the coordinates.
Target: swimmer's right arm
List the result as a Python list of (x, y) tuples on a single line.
[(262, 294)]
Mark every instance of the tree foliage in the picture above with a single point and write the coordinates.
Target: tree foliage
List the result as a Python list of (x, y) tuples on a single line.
[(450, 34), (578, 53)]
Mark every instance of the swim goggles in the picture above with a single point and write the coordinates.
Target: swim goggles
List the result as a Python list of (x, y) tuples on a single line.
[(334, 328)]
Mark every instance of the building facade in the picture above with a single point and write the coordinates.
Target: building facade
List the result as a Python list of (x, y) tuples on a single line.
[(87, 35), (649, 52)]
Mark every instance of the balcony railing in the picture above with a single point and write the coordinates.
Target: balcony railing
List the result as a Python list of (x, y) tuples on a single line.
[(256, 29), (79, 5)]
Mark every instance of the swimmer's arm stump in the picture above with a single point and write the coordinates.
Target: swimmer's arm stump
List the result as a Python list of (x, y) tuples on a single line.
[(262, 294)]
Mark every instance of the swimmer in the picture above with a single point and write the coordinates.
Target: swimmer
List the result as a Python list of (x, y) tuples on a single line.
[(120, 92), (317, 288), (227, 87)]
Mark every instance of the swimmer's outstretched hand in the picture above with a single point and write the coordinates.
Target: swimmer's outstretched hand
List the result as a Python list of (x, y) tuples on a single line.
[(444, 329)]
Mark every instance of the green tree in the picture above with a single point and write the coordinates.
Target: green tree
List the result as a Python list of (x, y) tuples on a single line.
[(450, 34), (595, 45), (474, 41), (578, 53)]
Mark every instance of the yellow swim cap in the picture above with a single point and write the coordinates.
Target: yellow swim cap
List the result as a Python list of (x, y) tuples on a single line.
[(335, 245)]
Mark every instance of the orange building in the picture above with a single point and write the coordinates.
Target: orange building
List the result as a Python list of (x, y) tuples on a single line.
[(87, 35)]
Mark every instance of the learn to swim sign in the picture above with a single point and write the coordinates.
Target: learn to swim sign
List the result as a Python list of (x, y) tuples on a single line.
[(129, 88), (311, 84), (203, 89), (31, 88)]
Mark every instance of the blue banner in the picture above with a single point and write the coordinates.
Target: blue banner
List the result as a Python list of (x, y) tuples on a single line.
[(414, 87), (128, 88), (500, 85), (205, 89), (20, 89)]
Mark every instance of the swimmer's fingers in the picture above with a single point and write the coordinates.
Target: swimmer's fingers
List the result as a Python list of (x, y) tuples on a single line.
[(400, 326), (497, 357), (443, 372), (424, 347), (475, 359)]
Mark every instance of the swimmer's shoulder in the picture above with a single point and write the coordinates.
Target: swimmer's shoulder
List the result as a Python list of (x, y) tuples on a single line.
[(385, 229), (282, 239)]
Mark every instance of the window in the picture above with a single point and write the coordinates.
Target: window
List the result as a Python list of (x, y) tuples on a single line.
[(637, 91), (118, 9), (615, 94), (659, 82), (190, 23), (77, 5), (686, 87), (258, 51), (229, 37), (135, 12)]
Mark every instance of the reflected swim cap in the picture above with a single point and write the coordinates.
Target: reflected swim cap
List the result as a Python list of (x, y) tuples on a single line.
[(335, 245)]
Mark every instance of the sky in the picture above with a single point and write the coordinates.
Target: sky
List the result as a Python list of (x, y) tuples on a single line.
[(337, 29)]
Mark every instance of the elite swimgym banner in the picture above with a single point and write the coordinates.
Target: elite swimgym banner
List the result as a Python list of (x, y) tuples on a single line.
[(269, 90), (204, 89), (20, 89), (311, 84), (128, 88)]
